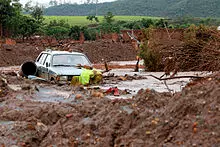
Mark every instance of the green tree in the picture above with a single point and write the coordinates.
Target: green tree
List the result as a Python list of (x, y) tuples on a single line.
[(92, 17), (35, 11), (26, 26), (108, 26), (37, 14), (8, 10), (53, 3), (108, 18), (28, 7)]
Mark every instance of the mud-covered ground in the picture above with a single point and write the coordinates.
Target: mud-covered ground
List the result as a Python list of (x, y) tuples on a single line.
[(97, 52), (86, 117), (37, 113)]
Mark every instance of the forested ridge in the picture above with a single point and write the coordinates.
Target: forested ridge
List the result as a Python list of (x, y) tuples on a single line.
[(170, 8)]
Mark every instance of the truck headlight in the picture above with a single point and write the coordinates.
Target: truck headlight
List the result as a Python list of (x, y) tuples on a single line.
[(63, 78)]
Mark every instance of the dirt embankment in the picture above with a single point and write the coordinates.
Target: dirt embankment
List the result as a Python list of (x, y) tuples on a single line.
[(108, 51), (179, 49), (188, 118), (11, 55), (96, 51)]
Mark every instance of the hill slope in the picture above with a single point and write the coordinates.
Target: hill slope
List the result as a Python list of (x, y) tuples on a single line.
[(196, 8)]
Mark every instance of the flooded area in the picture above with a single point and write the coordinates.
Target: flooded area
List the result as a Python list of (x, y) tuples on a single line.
[(125, 108), (150, 82), (132, 86), (39, 113), (54, 94)]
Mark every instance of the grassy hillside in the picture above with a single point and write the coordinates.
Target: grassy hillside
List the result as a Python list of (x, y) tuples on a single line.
[(171, 8)]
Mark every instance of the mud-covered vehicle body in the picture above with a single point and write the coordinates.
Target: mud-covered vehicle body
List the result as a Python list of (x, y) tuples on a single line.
[(60, 65)]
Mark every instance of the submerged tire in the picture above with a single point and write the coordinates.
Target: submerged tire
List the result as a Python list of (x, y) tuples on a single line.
[(28, 68)]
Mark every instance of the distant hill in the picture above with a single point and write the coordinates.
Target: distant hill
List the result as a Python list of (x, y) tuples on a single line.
[(163, 8)]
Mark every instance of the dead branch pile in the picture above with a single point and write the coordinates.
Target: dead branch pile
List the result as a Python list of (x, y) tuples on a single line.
[(199, 51)]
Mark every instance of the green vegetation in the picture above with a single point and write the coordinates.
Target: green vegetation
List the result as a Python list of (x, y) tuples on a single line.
[(82, 20), (72, 20), (161, 8), (92, 17), (14, 24), (152, 58), (63, 29), (9, 12), (57, 29)]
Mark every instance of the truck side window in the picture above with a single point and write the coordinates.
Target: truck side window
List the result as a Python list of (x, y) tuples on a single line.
[(39, 57), (47, 60), (42, 58)]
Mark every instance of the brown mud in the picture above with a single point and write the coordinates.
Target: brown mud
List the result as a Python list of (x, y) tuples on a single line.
[(186, 50), (35, 113), (87, 118), (97, 52), (178, 50)]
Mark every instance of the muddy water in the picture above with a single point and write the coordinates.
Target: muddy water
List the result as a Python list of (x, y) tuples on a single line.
[(9, 68), (52, 94), (175, 85)]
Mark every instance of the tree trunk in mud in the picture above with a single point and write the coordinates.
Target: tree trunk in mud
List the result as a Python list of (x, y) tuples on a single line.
[(106, 67), (137, 65)]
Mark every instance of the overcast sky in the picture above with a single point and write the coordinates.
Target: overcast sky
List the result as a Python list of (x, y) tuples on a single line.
[(46, 2)]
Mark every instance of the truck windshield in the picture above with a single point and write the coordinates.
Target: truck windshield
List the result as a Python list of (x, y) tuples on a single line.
[(69, 60)]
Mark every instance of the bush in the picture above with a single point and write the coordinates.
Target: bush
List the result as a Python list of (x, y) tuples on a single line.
[(152, 58), (61, 23), (198, 35), (133, 25), (74, 32), (161, 23), (24, 26), (146, 23), (90, 34), (109, 28), (57, 31)]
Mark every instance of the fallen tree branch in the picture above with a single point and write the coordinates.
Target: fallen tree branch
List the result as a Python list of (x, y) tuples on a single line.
[(177, 77), (167, 86)]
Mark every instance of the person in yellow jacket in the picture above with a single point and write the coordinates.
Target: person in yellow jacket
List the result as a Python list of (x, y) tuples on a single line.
[(88, 76)]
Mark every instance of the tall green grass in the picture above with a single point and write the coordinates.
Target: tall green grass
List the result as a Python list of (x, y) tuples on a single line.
[(81, 20)]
